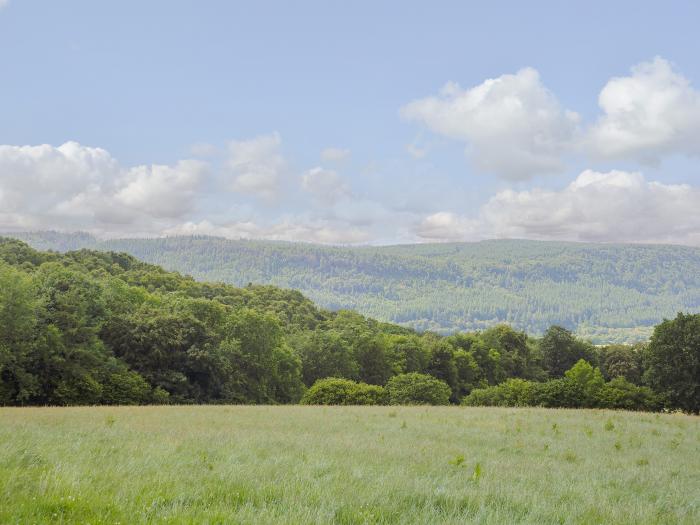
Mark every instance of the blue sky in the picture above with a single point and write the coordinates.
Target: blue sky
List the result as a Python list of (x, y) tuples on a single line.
[(330, 121)]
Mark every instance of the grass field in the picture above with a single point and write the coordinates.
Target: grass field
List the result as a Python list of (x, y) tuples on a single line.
[(225, 464)]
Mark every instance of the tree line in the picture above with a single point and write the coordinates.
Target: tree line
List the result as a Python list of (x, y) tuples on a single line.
[(88, 327)]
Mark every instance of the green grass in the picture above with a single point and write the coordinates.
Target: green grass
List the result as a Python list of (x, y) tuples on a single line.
[(224, 464)]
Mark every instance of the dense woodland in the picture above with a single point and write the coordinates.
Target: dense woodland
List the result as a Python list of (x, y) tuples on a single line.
[(91, 327), (604, 293)]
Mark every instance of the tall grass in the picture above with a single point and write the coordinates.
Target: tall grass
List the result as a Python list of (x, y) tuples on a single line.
[(224, 464)]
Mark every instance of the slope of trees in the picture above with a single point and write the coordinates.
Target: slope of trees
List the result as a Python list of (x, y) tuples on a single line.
[(605, 293), (90, 327)]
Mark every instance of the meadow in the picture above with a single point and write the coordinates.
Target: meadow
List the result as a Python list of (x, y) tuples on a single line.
[(346, 465)]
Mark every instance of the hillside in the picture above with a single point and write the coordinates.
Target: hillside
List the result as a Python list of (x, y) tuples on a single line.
[(608, 293)]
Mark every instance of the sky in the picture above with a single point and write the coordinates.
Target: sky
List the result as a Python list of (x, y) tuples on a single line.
[(365, 122)]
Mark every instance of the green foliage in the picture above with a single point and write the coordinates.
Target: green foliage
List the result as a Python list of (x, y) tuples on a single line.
[(623, 361), (442, 365), (326, 354), (124, 387), (673, 361), (417, 389), (621, 394), (89, 328), (339, 391), (561, 350), (582, 387), (511, 393), (586, 380)]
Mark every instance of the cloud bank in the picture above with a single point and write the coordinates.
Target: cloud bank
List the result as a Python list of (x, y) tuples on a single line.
[(512, 126), (595, 207)]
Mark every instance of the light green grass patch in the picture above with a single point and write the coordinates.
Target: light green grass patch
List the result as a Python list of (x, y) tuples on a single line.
[(346, 465)]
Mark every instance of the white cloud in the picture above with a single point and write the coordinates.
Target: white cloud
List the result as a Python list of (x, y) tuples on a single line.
[(447, 226), (162, 191), (335, 154), (34, 179), (616, 206), (513, 125), (325, 185), (78, 187), (256, 166), (3, 3), (652, 112)]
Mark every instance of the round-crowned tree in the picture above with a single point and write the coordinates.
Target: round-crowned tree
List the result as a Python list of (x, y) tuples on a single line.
[(673, 362), (417, 389)]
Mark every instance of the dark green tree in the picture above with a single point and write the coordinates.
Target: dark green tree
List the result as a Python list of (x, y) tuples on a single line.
[(561, 350), (673, 361)]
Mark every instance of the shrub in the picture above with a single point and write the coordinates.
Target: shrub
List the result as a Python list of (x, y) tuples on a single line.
[(558, 393), (620, 393), (160, 396), (365, 394), (511, 393), (417, 389), (125, 388), (587, 380), (578, 390), (338, 391)]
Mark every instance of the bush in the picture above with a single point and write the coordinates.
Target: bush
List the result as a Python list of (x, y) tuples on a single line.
[(588, 382), (571, 392), (558, 393), (511, 393), (125, 388), (417, 389), (620, 393), (338, 391)]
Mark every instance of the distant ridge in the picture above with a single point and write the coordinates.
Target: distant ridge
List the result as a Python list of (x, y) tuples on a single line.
[(607, 292)]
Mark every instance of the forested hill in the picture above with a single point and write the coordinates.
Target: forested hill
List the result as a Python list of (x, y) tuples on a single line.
[(609, 293)]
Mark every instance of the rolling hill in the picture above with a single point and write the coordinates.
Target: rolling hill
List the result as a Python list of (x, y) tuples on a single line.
[(606, 292)]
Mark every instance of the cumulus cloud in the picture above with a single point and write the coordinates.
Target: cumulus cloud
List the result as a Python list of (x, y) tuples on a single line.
[(335, 154), (325, 185), (513, 125), (79, 187), (162, 191), (652, 112), (37, 176), (256, 166), (616, 206)]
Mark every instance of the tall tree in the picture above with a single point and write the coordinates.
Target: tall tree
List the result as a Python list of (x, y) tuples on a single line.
[(673, 361), (561, 350)]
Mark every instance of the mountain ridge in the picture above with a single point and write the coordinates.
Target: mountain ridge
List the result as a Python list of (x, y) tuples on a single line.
[(606, 292)]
